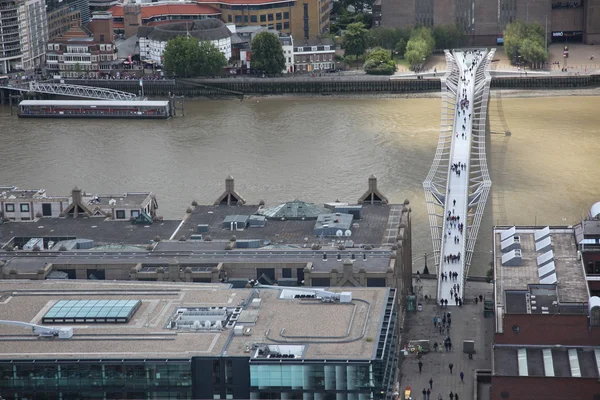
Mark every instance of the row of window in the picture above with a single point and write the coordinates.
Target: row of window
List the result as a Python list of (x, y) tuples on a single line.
[(70, 49), (263, 18), (305, 49), (10, 207), (256, 7)]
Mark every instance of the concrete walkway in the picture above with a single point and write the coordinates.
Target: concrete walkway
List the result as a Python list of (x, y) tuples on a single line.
[(468, 323)]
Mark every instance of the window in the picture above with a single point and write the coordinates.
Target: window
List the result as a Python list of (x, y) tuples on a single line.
[(120, 214), (278, 16), (253, 18), (263, 18), (270, 17), (286, 272), (135, 213), (245, 18), (24, 207), (238, 19), (229, 19), (9, 207), (286, 15), (102, 38), (286, 25), (278, 26)]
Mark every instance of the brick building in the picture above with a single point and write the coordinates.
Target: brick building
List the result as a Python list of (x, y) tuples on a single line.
[(547, 336), (484, 20), (84, 52)]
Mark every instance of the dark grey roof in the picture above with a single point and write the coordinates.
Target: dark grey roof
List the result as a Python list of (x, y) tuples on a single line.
[(144, 31), (205, 29)]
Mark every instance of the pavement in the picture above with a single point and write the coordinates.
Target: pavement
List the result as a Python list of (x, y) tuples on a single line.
[(468, 323)]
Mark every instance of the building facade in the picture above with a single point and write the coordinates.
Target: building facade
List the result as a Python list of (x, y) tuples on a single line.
[(485, 20), (153, 40), (61, 20), (23, 35), (129, 17), (80, 6), (28, 205), (314, 55), (80, 52), (303, 20)]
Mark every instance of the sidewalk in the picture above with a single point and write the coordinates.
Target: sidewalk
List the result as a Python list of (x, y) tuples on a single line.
[(468, 323)]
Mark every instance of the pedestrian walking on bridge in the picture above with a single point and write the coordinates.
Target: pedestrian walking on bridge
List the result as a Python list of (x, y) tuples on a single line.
[(450, 366)]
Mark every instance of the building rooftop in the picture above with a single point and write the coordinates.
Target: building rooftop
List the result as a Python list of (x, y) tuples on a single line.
[(205, 29), (374, 228), (563, 362), (99, 230), (13, 192), (559, 260), (158, 328), (124, 200)]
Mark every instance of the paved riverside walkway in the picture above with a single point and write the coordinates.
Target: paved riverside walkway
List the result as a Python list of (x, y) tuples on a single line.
[(468, 323), (457, 191)]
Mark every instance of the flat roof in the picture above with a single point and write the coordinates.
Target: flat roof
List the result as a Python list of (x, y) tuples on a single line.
[(546, 361), (98, 229), (571, 286), (374, 228), (98, 103), (125, 199), (332, 331)]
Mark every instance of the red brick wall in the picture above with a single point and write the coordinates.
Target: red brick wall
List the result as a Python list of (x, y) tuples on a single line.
[(541, 388), (572, 330)]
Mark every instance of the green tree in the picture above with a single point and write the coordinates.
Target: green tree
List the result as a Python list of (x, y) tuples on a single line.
[(267, 53), (212, 60), (355, 39), (420, 46), (400, 47), (379, 62), (525, 40), (181, 56), (448, 37), (185, 56)]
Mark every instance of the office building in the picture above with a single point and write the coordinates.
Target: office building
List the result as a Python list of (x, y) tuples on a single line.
[(587, 236), (98, 340), (23, 35), (303, 20), (484, 21), (547, 337)]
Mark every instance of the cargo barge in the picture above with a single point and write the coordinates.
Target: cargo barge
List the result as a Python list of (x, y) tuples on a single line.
[(94, 109)]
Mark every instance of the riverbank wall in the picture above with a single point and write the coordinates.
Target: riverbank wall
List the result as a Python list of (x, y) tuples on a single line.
[(243, 86)]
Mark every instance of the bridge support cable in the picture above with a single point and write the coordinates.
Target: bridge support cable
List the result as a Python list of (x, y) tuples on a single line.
[(479, 178)]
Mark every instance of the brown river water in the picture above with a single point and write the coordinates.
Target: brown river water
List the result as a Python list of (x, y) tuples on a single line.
[(318, 149)]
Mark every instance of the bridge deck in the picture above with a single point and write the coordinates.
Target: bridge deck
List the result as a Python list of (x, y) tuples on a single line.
[(457, 190)]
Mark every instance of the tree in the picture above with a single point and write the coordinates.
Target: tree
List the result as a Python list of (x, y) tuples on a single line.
[(448, 36), (181, 56), (185, 56), (379, 62), (420, 46), (267, 53), (400, 47), (355, 39), (525, 40), (212, 60)]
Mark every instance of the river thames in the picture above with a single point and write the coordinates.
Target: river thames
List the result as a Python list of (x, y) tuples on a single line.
[(318, 149)]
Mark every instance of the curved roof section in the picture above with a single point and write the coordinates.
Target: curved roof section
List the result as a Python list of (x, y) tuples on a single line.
[(155, 10), (296, 209), (595, 210), (206, 29)]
